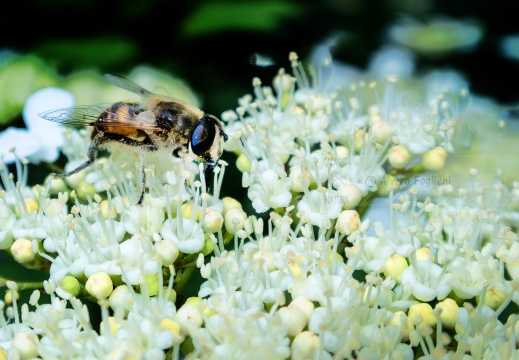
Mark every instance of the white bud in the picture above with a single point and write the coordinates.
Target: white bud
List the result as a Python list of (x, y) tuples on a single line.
[(213, 221), (294, 319), (305, 345), (120, 298), (382, 130), (21, 250), (348, 221), (399, 156), (449, 315), (350, 195), (235, 220), (99, 285), (189, 318), (167, 252), (302, 303), (404, 323), (434, 159), (25, 343), (301, 179)]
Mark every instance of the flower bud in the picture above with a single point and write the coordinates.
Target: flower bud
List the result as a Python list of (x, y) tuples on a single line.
[(187, 211), (243, 163), (83, 188), (70, 284), (31, 205), (213, 221), (399, 156), (350, 195), (112, 325), (382, 130), (302, 303), (230, 203), (120, 298), (425, 311), (301, 179), (348, 221), (266, 256), (193, 300), (152, 283), (235, 219), (342, 153), (283, 82), (434, 159), (9, 296), (332, 254), (99, 285), (25, 343), (395, 266), (305, 345), (401, 320), (390, 183), (423, 254), (57, 185), (294, 319), (361, 138), (493, 298), (21, 251), (167, 251), (54, 207), (107, 213), (449, 315), (188, 317), (208, 245), (170, 325)]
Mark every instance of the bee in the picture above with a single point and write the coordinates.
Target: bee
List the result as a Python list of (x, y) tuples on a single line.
[(157, 123)]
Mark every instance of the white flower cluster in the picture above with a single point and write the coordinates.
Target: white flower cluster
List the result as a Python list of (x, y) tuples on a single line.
[(320, 144), (297, 275), (96, 243), (309, 276)]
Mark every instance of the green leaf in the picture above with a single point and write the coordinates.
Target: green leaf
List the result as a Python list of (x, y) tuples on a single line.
[(99, 51), (11, 270), (223, 16)]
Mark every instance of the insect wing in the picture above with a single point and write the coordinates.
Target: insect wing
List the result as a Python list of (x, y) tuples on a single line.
[(129, 85), (100, 115), (87, 115)]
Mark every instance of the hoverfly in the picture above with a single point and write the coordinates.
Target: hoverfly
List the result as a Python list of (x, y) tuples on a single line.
[(157, 123)]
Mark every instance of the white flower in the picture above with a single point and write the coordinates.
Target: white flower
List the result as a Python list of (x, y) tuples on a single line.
[(271, 189), (427, 281), (42, 139), (185, 233), (317, 208)]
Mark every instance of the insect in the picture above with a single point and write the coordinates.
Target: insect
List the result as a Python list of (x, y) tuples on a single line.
[(156, 123)]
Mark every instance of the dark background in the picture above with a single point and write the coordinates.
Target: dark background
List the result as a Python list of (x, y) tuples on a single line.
[(210, 43)]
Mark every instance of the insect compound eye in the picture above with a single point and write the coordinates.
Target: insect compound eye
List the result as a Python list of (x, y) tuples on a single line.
[(203, 136)]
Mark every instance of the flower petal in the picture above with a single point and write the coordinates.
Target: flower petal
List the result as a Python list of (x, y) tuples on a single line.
[(49, 133), (24, 143)]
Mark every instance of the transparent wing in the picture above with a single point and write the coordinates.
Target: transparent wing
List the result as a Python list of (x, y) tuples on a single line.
[(100, 115), (87, 115), (127, 84)]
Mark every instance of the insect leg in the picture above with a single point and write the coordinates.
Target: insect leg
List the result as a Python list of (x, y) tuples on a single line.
[(143, 183), (92, 154), (208, 173)]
